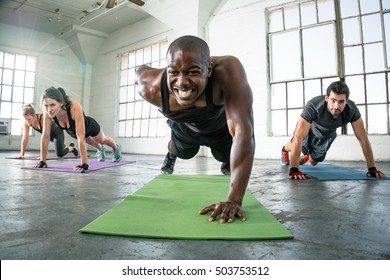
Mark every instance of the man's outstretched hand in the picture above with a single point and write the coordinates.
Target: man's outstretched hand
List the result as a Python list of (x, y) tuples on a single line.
[(226, 210)]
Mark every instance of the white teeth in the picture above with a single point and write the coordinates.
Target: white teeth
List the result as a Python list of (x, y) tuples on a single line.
[(184, 92)]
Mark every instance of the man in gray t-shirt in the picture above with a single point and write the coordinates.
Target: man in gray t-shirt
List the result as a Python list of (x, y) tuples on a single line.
[(316, 131)]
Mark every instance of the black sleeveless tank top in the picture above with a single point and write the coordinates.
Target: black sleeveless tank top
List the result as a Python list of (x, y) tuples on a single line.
[(39, 116), (205, 120), (92, 128)]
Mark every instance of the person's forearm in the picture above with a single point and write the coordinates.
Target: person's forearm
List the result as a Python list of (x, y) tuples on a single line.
[(368, 154), (241, 162), (23, 146), (83, 150), (296, 148), (44, 148)]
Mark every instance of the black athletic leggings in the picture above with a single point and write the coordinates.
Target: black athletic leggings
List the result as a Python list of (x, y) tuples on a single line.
[(58, 138)]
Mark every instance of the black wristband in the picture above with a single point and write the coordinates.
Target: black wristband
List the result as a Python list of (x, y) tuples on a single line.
[(293, 170), (83, 166), (372, 169), (42, 164)]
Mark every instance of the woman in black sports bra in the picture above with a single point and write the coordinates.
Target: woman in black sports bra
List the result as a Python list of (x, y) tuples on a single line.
[(34, 121), (69, 116)]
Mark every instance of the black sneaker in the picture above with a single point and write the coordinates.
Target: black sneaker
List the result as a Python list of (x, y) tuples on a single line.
[(168, 165), (225, 168), (74, 150)]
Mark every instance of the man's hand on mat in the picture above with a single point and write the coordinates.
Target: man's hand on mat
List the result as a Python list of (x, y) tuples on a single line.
[(373, 172), (295, 174), (228, 210)]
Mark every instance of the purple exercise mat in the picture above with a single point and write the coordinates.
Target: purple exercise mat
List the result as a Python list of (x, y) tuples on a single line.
[(68, 166), (49, 157)]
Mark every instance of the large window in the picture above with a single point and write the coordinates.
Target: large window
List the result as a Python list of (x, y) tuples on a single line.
[(138, 118), (17, 87), (313, 43)]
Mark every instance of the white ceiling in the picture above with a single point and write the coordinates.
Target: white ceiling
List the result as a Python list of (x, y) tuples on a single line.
[(55, 16)]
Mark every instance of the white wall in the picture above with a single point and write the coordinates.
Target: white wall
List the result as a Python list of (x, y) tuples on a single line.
[(237, 28)]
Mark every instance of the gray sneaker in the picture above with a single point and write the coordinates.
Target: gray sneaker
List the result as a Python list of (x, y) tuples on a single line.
[(117, 153), (101, 154), (168, 164)]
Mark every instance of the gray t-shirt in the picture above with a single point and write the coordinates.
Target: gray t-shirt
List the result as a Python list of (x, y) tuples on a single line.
[(322, 123)]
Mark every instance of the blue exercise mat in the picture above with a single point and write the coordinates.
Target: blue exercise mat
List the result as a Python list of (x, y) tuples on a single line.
[(331, 172)]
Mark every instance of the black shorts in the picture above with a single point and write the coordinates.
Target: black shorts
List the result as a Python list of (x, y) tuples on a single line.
[(186, 143), (317, 147), (92, 128)]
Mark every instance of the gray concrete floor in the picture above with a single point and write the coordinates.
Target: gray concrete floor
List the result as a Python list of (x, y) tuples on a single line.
[(41, 213)]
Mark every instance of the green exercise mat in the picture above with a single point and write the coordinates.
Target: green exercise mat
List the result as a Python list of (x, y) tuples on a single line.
[(167, 207)]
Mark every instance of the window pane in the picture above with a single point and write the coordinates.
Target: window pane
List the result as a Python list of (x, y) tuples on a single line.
[(31, 63), (9, 60), (386, 4), (319, 51), (29, 79), (132, 59), (123, 77), (137, 128), (124, 61), (353, 60), (308, 13), (28, 95), (356, 88), (276, 20), (351, 31), (155, 52), (122, 111), (129, 128), (137, 110), (16, 127), (131, 93), (17, 95), (145, 109), (278, 122), (147, 55), (5, 110), (372, 29), (144, 127), (131, 76), (8, 76), (295, 95), (293, 116), (122, 94), (285, 62), (377, 119), (122, 129), (373, 57), (278, 96), (291, 17), (312, 89), (19, 78), (6, 93), (152, 128), (376, 88), (20, 62), (349, 8), (369, 6), (139, 56), (325, 10), (17, 110)]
